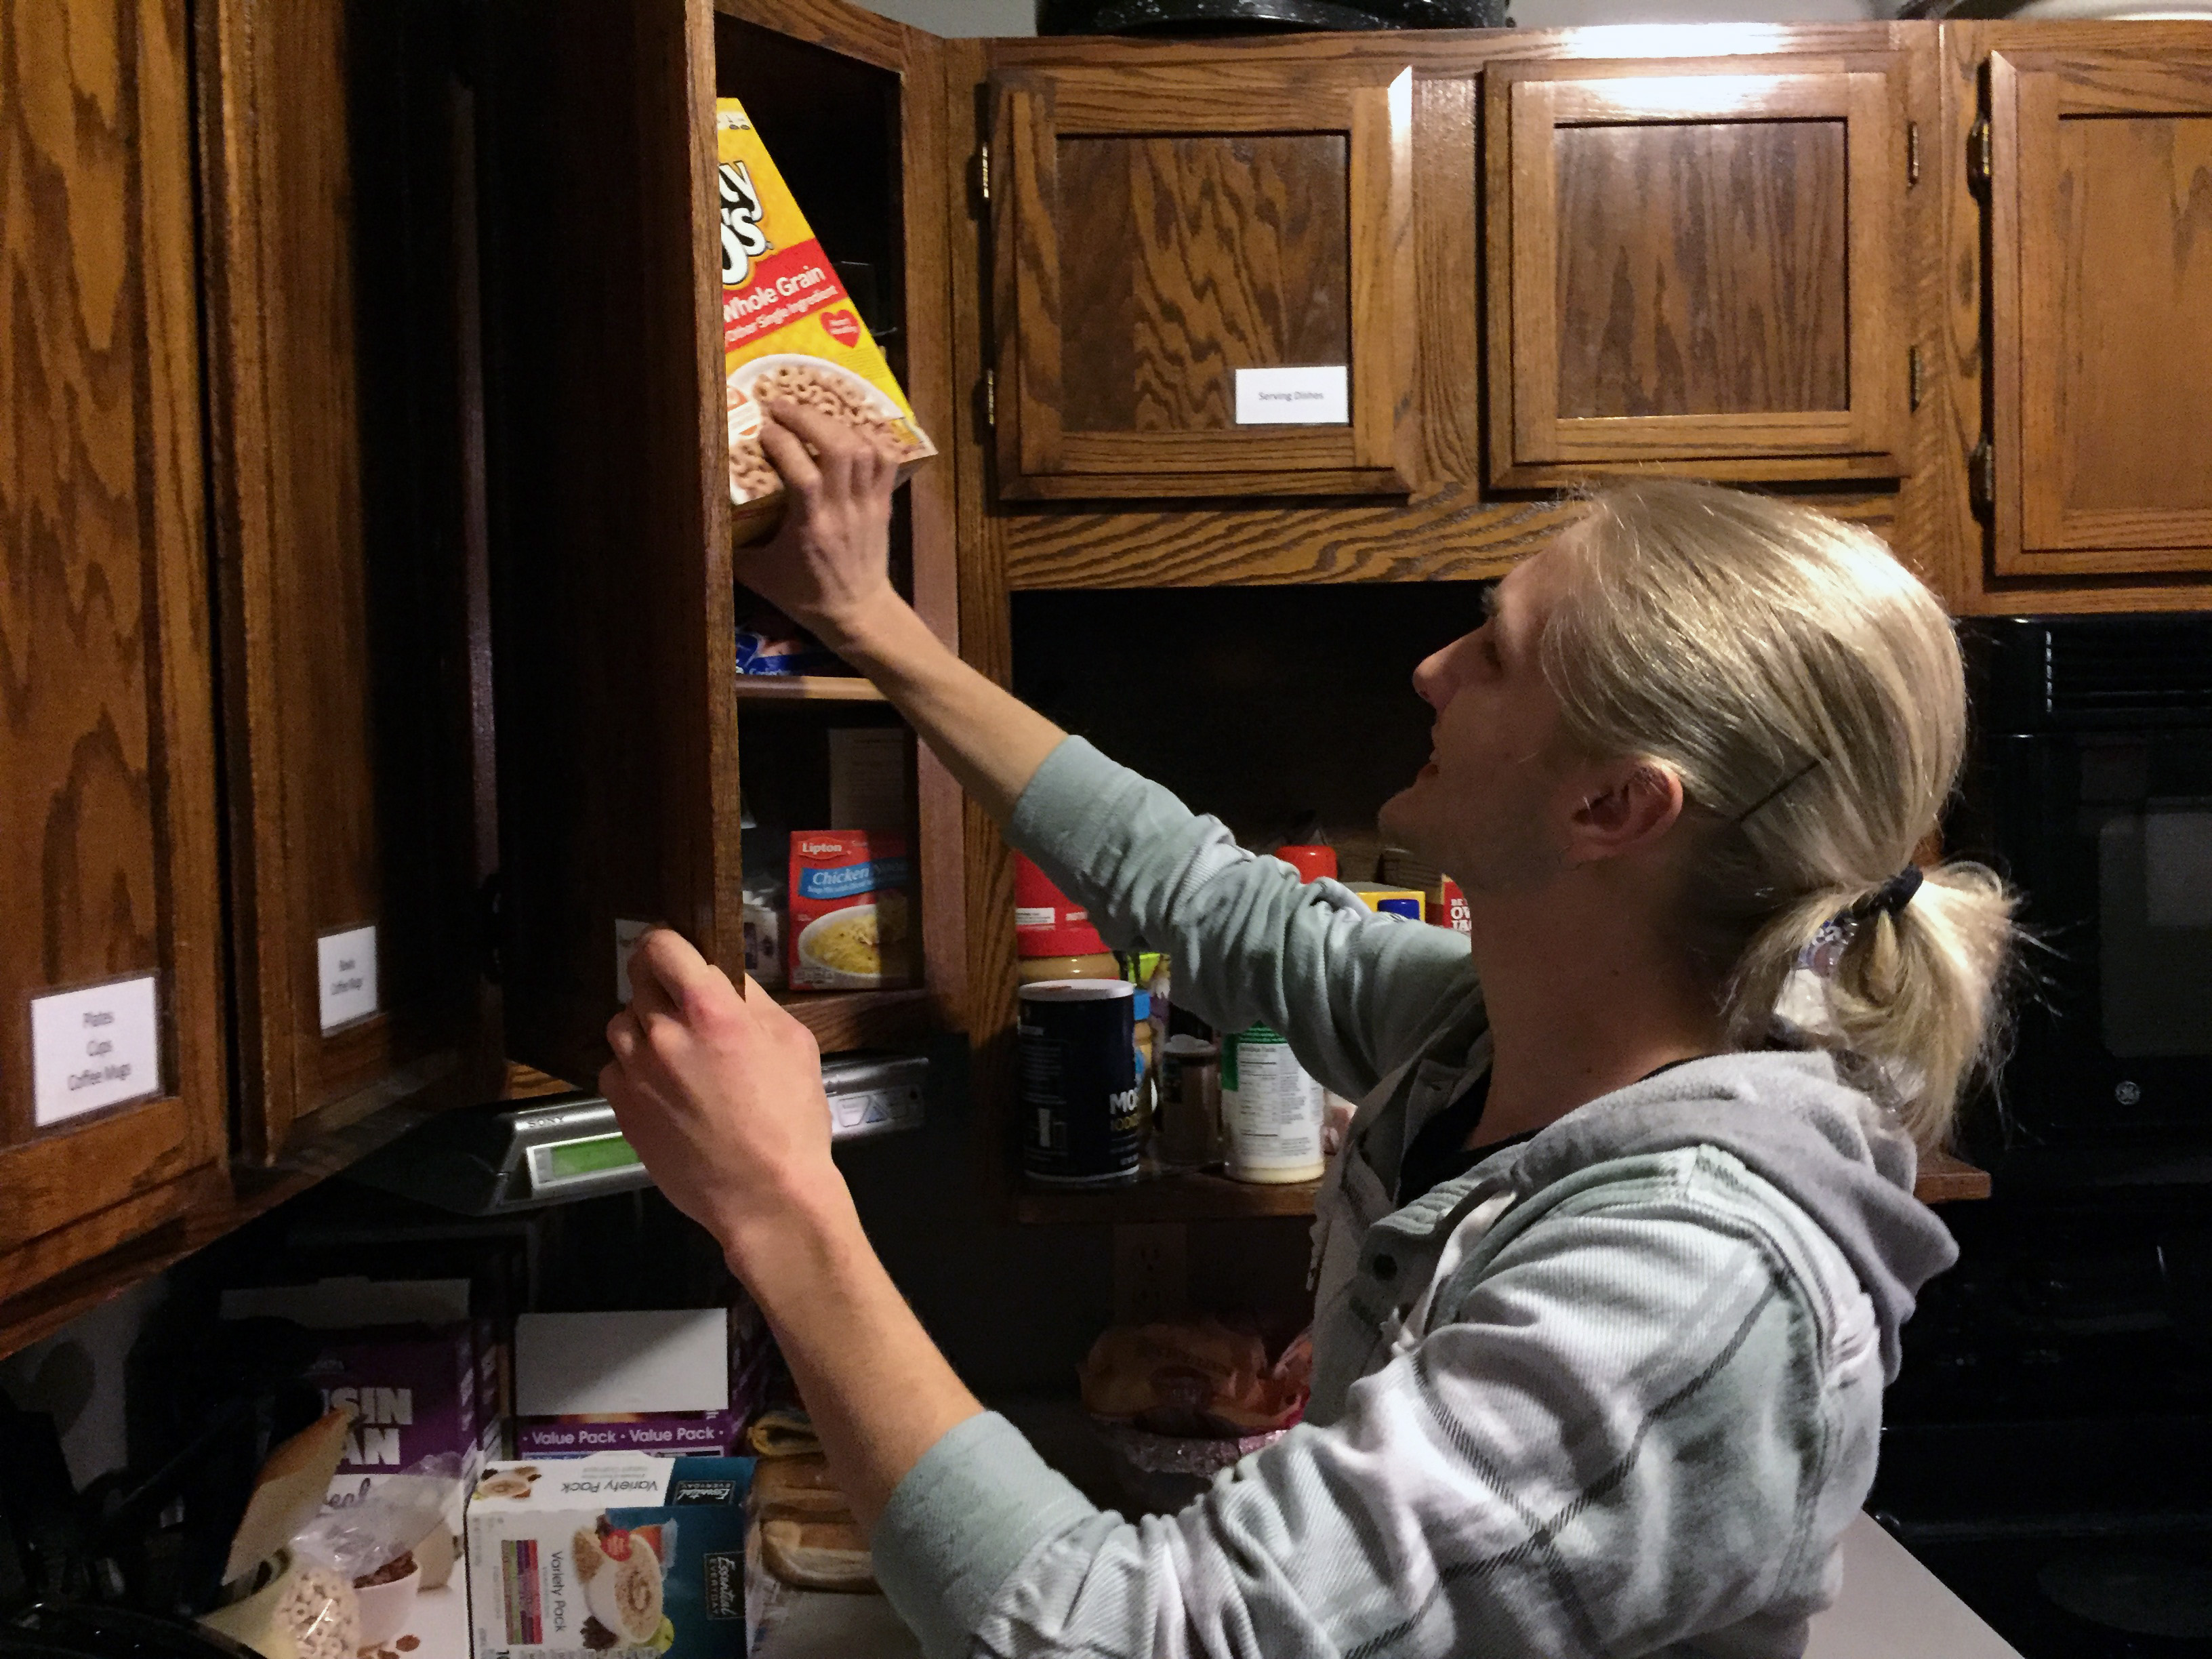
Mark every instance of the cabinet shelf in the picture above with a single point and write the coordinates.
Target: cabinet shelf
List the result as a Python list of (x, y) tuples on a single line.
[(1188, 1196), (862, 1019), (1202, 1195), (782, 690)]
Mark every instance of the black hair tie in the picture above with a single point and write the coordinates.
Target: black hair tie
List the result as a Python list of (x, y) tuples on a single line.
[(1890, 898)]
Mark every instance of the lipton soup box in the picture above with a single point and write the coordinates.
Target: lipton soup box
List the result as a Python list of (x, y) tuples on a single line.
[(789, 329), (617, 1554)]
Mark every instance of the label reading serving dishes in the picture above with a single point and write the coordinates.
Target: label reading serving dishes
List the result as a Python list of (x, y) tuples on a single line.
[(1294, 397), (345, 971), (94, 1048)]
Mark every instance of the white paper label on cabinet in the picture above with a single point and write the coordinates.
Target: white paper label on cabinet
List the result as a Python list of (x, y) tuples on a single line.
[(345, 971), (627, 934), (1293, 396), (94, 1048)]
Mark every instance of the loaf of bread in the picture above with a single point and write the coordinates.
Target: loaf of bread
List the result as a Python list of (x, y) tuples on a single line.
[(820, 1554)]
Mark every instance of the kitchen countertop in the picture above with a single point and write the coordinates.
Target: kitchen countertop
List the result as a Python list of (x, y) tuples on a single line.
[(1893, 1608), (1890, 1607)]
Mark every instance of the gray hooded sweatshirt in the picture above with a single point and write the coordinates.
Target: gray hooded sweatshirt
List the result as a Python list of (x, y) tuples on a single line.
[(1615, 1390)]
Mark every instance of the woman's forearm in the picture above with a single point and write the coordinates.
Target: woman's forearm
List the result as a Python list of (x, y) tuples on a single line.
[(876, 1389), (988, 738)]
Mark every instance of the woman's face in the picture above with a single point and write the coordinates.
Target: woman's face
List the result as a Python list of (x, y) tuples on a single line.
[(1491, 808)]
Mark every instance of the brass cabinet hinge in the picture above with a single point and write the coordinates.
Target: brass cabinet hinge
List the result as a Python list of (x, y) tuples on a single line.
[(991, 398), (1980, 152), (983, 172), (1911, 153), (1982, 475), (1912, 374)]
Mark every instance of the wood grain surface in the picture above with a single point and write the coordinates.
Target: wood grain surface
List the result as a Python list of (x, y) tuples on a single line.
[(106, 757), (1979, 367), (1681, 291), (2104, 180), (1701, 265), (1185, 258), (1141, 261)]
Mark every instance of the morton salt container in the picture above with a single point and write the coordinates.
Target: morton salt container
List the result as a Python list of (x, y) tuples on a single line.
[(1076, 1058)]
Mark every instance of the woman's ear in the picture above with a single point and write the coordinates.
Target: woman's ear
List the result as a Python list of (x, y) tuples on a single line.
[(1631, 805)]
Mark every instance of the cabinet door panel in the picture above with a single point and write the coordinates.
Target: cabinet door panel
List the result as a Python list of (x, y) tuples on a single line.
[(347, 568), (106, 751), (2102, 243), (1146, 258), (1701, 267)]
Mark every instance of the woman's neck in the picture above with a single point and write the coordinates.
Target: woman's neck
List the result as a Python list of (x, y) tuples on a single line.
[(1579, 1007)]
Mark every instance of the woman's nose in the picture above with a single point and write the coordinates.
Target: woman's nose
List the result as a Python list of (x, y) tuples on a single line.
[(1432, 677)]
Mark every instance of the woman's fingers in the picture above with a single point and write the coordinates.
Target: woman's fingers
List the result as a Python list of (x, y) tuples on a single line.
[(786, 452)]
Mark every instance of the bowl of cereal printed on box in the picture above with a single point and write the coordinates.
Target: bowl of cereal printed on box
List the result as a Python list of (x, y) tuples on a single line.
[(812, 383)]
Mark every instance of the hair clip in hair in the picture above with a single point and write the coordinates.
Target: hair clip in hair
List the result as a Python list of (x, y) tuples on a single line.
[(1890, 898), (1780, 789)]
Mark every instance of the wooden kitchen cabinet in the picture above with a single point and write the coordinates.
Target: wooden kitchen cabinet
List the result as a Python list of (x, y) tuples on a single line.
[(349, 564), (1698, 267), (2099, 169), (1172, 242), (620, 719), (112, 1103)]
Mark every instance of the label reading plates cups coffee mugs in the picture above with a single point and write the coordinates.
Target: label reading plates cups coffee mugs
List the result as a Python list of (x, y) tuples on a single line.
[(1270, 1110), (94, 1048), (1293, 396), (345, 971), (1078, 1063)]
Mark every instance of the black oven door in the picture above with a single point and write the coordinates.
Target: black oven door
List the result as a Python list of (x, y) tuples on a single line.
[(2092, 790)]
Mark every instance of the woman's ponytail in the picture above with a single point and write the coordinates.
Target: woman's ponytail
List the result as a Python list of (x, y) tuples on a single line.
[(1808, 691)]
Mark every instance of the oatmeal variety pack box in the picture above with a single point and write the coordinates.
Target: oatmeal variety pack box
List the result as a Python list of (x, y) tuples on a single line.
[(848, 909), (789, 329), (619, 1553)]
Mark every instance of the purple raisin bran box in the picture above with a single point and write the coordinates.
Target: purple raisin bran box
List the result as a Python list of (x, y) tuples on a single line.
[(405, 1355)]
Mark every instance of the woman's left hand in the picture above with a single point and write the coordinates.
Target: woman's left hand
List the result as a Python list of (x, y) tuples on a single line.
[(721, 1095)]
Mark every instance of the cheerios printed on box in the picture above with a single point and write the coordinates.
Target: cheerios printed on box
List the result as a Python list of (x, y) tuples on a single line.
[(789, 329)]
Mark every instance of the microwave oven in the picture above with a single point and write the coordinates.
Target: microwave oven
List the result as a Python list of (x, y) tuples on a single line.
[(2089, 786)]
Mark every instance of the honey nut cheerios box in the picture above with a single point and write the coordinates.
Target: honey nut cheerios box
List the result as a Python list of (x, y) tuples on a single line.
[(789, 329)]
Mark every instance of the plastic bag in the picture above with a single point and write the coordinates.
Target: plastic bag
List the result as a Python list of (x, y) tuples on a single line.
[(355, 1574)]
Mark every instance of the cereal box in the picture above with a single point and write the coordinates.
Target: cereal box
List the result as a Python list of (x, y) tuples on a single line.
[(848, 909), (789, 329), (621, 1553)]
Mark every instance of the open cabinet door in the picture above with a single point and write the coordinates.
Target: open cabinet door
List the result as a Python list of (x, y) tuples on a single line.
[(336, 180), (619, 714)]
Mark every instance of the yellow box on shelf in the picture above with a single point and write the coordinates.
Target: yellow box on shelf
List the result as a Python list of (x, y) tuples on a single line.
[(1408, 901)]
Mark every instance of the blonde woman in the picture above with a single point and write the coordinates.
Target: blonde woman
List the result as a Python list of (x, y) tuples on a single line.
[(1613, 1259)]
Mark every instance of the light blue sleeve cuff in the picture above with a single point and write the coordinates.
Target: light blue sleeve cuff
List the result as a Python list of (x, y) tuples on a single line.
[(961, 1522)]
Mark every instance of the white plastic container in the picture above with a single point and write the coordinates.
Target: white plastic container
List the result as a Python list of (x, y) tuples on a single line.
[(1270, 1110)]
